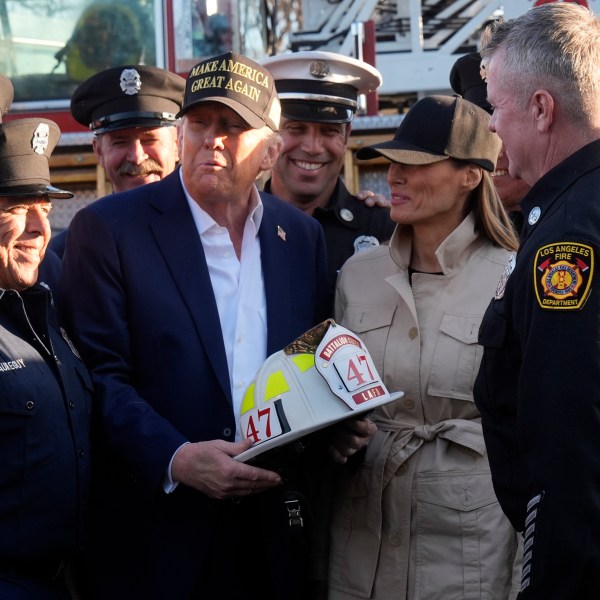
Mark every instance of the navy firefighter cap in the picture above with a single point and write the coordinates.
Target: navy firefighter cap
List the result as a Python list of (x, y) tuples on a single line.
[(25, 149), (128, 96)]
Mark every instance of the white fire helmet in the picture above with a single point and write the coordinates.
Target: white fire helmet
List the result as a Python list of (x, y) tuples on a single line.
[(325, 376)]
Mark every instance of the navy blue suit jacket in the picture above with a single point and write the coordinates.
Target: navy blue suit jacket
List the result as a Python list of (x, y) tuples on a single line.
[(136, 294)]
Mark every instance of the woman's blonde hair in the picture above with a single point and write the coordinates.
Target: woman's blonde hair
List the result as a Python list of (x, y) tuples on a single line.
[(491, 218)]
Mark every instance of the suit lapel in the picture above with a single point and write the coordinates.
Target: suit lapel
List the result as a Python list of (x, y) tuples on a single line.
[(179, 242), (275, 264)]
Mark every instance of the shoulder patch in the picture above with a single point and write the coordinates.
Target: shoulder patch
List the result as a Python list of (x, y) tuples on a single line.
[(562, 275)]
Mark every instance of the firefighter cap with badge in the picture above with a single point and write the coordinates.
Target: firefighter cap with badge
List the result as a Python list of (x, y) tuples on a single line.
[(325, 376), (128, 96), (25, 149), (321, 87), (7, 94)]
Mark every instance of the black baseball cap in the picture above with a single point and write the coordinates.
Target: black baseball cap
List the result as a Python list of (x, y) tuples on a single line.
[(466, 80), (238, 82)]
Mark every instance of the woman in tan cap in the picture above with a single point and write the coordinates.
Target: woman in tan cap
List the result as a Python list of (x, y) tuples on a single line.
[(416, 515)]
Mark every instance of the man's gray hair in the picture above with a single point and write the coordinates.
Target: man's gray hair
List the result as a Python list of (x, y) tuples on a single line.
[(555, 47)]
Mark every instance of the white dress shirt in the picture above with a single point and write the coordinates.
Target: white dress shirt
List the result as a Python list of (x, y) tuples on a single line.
[(239, 290)]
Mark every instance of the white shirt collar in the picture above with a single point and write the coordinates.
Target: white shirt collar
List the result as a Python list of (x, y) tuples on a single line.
[(204, 221)]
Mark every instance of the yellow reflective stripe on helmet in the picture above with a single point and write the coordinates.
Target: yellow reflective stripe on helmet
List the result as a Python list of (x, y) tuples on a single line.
[(276, 385), (248, 400), (304, 361)]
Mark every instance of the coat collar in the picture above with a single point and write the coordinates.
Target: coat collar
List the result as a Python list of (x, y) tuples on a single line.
[(451, 252)]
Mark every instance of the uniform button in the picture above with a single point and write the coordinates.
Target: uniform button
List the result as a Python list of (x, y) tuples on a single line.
[(227, 431), (413, 332), (30, 405), (395, 539), (409, 403), (71, 404)]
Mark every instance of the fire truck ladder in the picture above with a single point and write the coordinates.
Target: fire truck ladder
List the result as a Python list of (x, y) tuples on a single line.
[(417, 41)]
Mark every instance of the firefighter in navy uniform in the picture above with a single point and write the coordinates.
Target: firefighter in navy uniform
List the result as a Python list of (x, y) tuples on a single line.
[(45, 391), (538, 387), (319, 96)]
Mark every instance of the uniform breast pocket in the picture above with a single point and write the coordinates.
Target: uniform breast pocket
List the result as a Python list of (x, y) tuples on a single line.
[(18, 407), (372, 324), (456, 357), (19, 396)]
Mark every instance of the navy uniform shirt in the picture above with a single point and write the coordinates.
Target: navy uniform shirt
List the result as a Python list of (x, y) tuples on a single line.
[(45, 402), (349, 226), (538, 388)]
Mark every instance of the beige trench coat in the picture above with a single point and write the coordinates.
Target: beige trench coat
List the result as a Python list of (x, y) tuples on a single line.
[(418, 519)]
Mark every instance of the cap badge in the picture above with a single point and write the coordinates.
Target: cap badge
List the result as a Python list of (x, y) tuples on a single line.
[(319, 69), (346, 215), (41, 135), (534, 215), (130, 81)]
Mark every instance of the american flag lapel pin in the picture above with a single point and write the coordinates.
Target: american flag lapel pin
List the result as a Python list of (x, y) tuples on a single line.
[(281, 233)]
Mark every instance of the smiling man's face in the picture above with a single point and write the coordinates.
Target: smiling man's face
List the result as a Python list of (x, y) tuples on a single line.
[(24, 235), (307, 169), (135, 156)]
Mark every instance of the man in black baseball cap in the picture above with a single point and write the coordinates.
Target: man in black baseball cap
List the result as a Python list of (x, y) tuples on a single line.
[(6, 95), (46, 391), (132, 110), (202, 277)]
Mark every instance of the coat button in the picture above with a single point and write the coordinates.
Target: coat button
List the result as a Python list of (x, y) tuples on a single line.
[(80, 452), (395, 539), (71, 404), (413, 332), (409, 403), (30, 405), (227, 431)]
